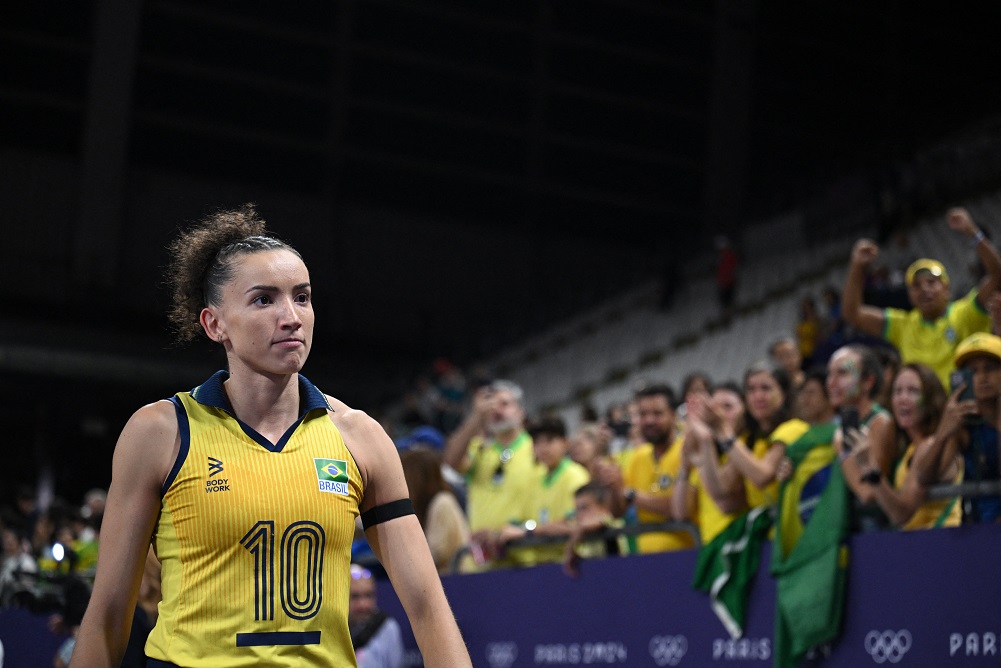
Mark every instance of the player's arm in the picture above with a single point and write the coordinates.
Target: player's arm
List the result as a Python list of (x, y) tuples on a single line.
[(143, 456), (400, 544), (869, 319)]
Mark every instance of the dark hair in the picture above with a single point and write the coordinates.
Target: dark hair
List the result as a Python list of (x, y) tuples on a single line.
[(547, 426), (690, 380), (201, 262), (730, 386), (933, 396), (589, 413), (870, 365), (754, 429), (786, 338), (658, 390), (422, 471), (595, 488), (819, 374), (888, 357)]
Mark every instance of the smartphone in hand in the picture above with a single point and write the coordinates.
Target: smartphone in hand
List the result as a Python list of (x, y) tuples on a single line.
[(957, 378), (849, 424)]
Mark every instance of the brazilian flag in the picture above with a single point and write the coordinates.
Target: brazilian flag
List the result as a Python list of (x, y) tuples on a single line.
[(727, 565), (809, 555)]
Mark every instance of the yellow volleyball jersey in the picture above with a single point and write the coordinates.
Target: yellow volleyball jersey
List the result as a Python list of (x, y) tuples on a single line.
[(255, 539)]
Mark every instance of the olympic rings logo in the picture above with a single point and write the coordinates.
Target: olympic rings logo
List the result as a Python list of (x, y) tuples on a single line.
[(501, 654), (668, 650), (888, 645)]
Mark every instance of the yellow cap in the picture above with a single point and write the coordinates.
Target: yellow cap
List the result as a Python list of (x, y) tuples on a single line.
[(980, 343), (933, 267)]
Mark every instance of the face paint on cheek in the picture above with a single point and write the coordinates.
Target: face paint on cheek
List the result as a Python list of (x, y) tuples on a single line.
[(854, 379)]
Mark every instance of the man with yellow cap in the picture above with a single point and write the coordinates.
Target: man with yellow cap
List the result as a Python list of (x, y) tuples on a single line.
[(931, 330), (970, 427)]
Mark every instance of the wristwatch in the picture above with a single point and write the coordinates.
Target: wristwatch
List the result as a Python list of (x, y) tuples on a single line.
[(630, 496), (723, 445), (872, 477)]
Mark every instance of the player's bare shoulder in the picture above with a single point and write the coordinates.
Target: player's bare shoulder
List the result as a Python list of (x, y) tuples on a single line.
[(150, 439), (351, 422), (363, 435)]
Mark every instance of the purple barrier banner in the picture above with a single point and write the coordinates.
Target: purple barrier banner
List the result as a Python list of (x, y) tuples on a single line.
[(927, 598), (27, 640)]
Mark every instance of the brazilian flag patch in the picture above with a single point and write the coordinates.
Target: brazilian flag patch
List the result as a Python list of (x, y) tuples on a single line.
[(332, 475)]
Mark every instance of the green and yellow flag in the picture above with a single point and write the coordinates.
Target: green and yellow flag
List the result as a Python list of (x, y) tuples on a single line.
[(809, 557)]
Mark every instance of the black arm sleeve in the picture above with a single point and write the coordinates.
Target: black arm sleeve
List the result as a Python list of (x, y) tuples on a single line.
[(386, 512)]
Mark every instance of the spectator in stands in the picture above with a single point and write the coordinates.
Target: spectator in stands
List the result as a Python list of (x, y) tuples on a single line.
[(770, 428), (785, 353), (706, 493), (815, 407), (808, 331), (813, 403), (376, 637), (642, 483), (889, 360), (589, 445), (695, 388), (444, 523), (18, 570), (426, 436), (27, 510), (550, 505), (971, 427), (451, 390), (831, 321), (74, 596), (623, 421), (854, 377), (917, 403), (93, 506), (592, 513), (931, 330), (493, 450), (726, 275)]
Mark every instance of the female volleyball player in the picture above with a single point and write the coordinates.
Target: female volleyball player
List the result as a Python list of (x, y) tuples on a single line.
[(249, 486)]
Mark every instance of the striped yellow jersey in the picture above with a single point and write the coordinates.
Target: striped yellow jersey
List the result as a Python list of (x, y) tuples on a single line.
[(255, 539)]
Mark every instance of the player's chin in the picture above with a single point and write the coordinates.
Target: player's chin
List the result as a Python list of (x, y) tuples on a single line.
[(292, 362)]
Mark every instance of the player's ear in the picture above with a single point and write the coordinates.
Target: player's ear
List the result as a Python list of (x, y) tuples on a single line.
[(212, 324)]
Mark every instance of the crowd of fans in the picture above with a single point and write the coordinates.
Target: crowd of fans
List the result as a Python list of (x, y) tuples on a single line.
[(899, 400), (701, 458)]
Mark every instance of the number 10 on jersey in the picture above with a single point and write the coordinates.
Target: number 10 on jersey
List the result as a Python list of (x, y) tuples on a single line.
[(300, 569)]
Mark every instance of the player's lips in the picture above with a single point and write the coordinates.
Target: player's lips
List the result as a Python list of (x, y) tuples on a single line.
[(289, 343)]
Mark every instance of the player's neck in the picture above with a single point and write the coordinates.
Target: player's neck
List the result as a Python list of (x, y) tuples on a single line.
[(260, 400)]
